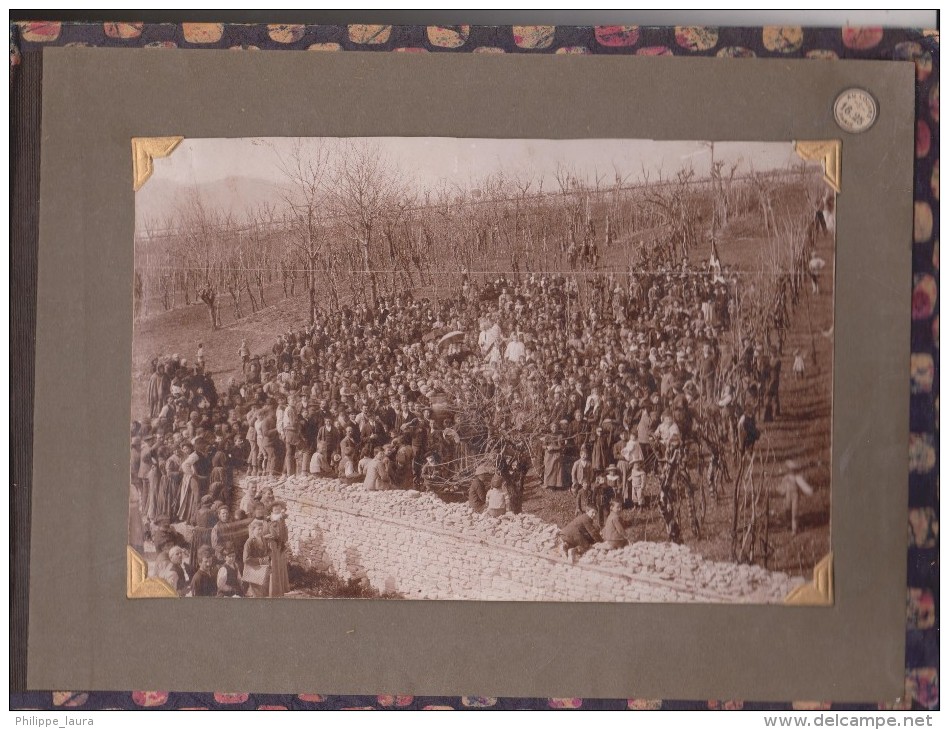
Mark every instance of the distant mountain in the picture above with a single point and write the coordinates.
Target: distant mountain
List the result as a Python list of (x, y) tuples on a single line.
[(158, 200)]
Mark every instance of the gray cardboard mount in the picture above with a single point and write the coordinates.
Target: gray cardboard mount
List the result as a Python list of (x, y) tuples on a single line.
[(83, 631)]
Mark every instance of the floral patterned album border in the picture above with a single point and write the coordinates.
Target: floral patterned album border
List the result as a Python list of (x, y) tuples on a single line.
[(821, 44)]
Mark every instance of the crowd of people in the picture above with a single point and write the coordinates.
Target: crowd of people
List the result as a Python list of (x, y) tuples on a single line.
[(592, 383)]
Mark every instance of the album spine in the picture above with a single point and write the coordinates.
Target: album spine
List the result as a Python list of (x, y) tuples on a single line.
[(26, 104)]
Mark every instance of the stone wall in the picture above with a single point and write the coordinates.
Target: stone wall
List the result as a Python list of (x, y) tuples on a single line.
[(421, 547)]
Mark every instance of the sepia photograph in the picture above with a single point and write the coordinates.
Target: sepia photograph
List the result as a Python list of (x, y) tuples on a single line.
[(594, 370)]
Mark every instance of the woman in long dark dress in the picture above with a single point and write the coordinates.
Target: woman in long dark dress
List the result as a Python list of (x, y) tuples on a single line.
[(200, 469), (600, 454), (154, 387), (152, 480), (166, 489), (219, 476), (201, 535), (553, 459), (186, 503), (277, 537), (170, 488)]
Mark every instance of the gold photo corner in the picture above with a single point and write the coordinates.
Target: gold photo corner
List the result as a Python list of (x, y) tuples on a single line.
[(139, 585), (820, 591), (826, 151), (146, 149)]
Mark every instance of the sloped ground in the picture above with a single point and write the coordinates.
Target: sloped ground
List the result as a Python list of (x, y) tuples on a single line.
[(514, 557), (802, 433)]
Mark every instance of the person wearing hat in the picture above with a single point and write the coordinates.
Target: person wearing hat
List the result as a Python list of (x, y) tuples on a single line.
[(310, 420), (390, 413), (277, 538), (707, 369), (291, 434), (327, 439), (636, 480), (613, 480), (603, 493)]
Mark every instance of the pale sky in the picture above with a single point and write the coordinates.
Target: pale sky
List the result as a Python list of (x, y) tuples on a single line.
[(429, 160)]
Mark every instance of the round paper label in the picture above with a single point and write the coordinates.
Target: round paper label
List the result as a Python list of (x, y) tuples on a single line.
[(855, 110)]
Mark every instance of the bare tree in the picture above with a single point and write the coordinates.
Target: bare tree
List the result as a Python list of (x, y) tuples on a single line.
[(364, 185), (306, 172), (257, 254), (565, 178), (203, 234)]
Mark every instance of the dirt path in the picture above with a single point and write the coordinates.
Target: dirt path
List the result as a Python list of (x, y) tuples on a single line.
[(180, 330), (803, 432)]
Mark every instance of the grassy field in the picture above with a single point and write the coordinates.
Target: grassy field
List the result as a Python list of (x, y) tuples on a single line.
[(802, 433)]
